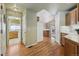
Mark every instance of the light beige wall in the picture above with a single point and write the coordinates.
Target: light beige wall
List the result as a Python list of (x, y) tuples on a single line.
[(24, 26), (31, 34), (62, 18)]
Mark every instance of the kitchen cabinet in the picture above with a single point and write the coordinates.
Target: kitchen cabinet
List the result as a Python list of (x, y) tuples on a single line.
[(71, 48), (78, 11), (71, 17), (62, 40), (68, 20)]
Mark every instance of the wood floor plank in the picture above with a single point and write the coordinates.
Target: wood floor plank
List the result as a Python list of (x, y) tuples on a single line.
[(44, 48)]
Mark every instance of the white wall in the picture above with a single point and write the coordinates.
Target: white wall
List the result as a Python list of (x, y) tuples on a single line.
[(3, 39), (62, 18), (39, 31), (45, 16), (59, 21), (57, 26), (40, 27), (31, 34), (24, 26)]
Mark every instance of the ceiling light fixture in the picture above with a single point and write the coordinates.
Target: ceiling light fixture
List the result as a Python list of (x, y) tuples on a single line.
[(15, 7)]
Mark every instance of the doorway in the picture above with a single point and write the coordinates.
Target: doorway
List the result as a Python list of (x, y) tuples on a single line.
[(14, 27)]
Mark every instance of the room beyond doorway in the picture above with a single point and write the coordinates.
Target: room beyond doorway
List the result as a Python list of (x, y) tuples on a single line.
[(14, 27)]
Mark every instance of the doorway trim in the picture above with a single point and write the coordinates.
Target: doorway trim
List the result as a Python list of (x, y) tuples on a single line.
[(7, 24)]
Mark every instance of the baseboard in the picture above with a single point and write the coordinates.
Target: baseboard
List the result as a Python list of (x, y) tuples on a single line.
[(55, 41), (31, 45), (39, 40), (58, 42), (34, 43)]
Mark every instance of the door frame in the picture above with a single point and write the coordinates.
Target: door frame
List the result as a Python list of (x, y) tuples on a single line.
[(7, 24), (3, 30)]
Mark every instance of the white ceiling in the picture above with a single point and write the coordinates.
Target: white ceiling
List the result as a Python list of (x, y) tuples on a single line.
[(48, 6), (51, 8)]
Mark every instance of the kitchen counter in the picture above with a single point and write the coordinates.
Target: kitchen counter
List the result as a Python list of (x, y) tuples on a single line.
[(70, 42), (72, 35), (65, 29), (71, 45), (74, 38)]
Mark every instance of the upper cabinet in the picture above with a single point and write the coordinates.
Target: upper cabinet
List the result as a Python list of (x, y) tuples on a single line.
[(72, 17), (68, 20), (78, 11)]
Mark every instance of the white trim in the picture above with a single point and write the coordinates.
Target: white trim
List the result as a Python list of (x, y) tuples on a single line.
[(39, 40), (52, 39), (31, 44)]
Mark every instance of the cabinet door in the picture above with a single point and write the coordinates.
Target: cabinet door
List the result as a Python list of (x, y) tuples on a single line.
[(76, 16), (70, 48), (73, 16), (68, 21), (62, 40), (78, 11)]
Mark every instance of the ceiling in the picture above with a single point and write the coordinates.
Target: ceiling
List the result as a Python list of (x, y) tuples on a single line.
[(51, 8), (47, 6)]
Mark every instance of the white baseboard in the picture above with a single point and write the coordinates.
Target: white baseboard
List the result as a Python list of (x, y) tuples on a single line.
[(40, 40), (31, 45), (58, 42), (54, 40), (34, 43)]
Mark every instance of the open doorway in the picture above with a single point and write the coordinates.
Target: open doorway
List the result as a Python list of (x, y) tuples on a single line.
[(14, 27), (45, 25)]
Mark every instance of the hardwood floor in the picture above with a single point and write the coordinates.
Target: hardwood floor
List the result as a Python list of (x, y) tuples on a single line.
[(44, 48)]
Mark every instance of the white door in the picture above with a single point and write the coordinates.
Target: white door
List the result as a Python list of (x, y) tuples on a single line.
[(2, 31)]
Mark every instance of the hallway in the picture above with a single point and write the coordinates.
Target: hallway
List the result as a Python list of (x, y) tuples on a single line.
[(44, 48)]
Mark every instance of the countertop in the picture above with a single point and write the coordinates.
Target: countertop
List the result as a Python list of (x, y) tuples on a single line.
[(71, 35), (65, 29), (73, 38)]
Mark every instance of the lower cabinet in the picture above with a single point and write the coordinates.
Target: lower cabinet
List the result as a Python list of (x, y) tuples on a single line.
[(62, 40), (70, 48)]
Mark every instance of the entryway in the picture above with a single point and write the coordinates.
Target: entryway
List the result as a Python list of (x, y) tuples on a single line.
[(14, 27), (10, 27)]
